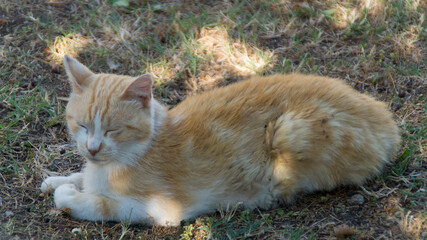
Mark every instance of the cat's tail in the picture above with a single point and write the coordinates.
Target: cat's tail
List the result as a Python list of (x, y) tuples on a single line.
[(302, 139), (323, 151)]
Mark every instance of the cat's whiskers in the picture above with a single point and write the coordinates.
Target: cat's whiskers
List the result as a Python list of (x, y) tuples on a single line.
[(128, 158)]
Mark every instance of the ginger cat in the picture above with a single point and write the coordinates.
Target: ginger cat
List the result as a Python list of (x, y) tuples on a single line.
[(259, 142)]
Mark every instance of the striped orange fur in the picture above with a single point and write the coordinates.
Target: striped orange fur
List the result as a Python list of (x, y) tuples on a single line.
[(258, 142)]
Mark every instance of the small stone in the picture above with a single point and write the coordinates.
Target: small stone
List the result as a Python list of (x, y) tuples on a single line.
[(357, 199), (76, 231), (9, 213)]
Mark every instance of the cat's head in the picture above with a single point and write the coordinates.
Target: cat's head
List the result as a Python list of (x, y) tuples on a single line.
[(111, 117)]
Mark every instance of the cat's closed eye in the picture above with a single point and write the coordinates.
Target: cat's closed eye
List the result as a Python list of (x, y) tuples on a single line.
[(112, 131), (83, 126)]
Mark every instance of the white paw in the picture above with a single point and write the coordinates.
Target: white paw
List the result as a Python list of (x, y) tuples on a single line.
[(64, 195), (51, 183)]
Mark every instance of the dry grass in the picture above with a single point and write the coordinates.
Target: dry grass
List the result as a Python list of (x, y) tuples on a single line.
[(377, 46), (71, 45), (413, 226)]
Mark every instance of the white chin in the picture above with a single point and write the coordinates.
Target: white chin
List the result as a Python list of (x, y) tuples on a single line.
[(98, 161)]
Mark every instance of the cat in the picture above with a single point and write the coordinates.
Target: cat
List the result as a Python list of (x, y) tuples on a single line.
[(258, 142)]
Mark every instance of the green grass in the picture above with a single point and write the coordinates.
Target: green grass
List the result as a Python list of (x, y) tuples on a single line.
[(26, 114)]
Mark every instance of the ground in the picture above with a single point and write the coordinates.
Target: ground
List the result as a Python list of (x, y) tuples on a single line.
[(376, 46)]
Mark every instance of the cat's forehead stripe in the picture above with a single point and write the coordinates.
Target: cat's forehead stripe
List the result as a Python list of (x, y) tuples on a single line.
[(92, 99), (101, 95), (108, 98)]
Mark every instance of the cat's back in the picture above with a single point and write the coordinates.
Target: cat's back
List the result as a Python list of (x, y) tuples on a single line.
[(276, 94), (238, 115)]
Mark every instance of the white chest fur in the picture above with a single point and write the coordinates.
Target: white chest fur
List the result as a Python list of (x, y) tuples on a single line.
[(95, 178)]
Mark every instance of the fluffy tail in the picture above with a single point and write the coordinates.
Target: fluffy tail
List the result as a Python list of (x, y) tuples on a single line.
[(323, 151)]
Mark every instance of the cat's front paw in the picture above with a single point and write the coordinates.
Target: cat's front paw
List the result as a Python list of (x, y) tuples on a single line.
[(64, 195), (51, 183)]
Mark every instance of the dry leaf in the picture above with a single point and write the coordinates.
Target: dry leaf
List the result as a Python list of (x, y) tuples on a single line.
[(54, 212), (343, 230), (67, 210)]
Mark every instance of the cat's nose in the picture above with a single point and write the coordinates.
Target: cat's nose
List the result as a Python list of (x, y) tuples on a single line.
[(93, 146), (93, 152)]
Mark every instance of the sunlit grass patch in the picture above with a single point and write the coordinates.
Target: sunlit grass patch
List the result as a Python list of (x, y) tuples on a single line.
[(213, 55), (232, 54), (414, 226), (71, 45), (407, 44), (166, 70)]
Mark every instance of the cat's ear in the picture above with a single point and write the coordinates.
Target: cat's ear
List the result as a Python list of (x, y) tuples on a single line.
[(77, 73), (139, 90)]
